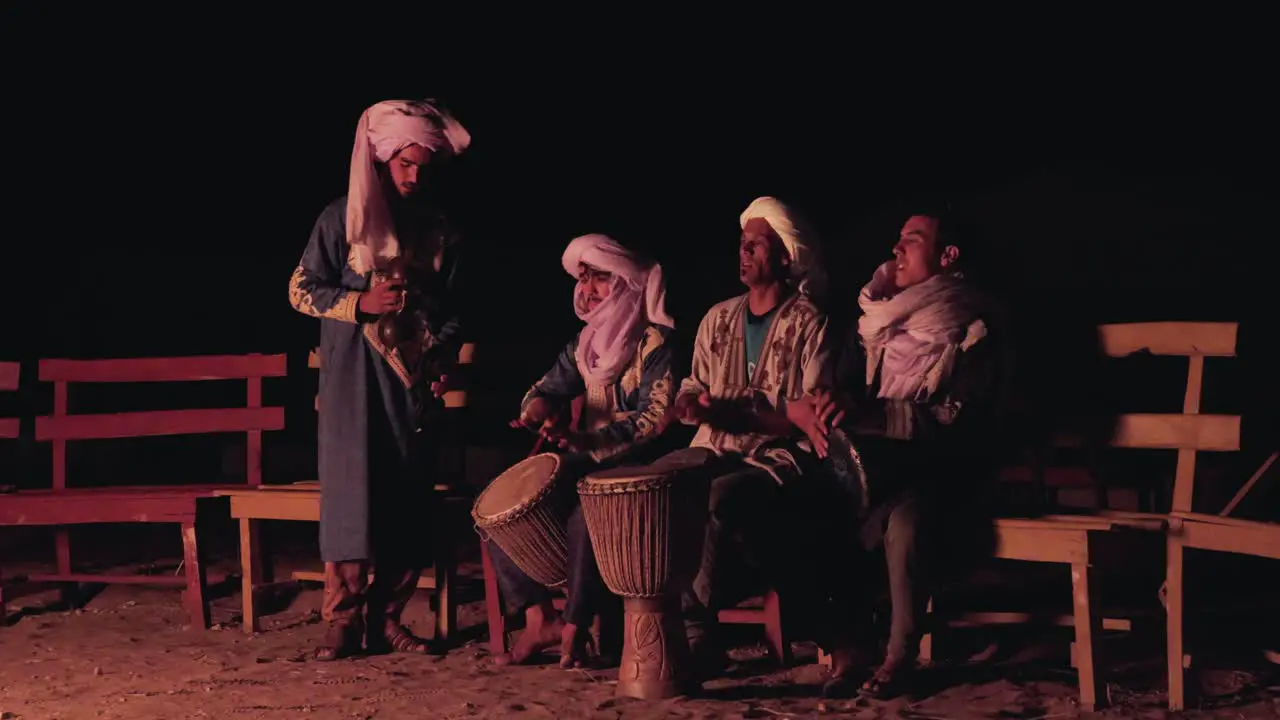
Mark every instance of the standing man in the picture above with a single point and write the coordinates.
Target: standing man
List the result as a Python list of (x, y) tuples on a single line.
[(375, 487), (755, 355)]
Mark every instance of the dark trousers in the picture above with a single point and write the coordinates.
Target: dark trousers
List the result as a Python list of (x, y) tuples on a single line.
[(586, 590), (759, 536), (930, 517)]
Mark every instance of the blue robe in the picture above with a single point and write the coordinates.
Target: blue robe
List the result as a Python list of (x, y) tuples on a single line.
[(628, 412), (374, 474)]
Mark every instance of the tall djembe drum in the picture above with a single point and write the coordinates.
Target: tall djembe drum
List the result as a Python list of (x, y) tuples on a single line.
[(647, 526)]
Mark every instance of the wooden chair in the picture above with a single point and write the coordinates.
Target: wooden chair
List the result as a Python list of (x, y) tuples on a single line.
[(1187, 433), (1092, 543), (301, 502), (62, 506), (1188, 529)]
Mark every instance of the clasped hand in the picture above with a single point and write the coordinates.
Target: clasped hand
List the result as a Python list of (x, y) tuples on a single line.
[(815, 416)]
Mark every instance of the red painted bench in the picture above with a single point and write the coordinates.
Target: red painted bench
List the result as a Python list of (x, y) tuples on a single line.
[(62, 506)]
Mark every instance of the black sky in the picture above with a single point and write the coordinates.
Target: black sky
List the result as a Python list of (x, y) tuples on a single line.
[(161, 187)]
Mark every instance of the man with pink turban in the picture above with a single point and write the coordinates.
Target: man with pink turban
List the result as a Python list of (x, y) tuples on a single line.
[(621, 364), (375, 391)]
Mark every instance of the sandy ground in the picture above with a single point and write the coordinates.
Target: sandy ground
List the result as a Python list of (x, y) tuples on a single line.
[(128, 653)]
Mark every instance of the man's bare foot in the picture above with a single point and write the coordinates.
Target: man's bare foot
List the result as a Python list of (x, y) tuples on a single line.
[(542, 631), (574, 646)]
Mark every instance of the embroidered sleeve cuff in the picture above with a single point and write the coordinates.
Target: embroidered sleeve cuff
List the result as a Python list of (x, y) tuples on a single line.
[(345, 308)]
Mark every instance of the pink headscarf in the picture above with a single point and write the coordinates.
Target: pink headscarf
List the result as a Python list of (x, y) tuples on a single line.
[(637, 298), (384, 130)]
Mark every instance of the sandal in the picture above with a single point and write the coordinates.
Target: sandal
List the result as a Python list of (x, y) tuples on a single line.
[(341, 639), (887, 683), (397, 638)]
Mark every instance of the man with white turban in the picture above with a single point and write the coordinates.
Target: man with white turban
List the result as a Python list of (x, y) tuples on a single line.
[(375, 389), (621, 364), (755, 357)]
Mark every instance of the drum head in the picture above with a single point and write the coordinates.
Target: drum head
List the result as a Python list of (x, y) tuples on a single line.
[(665, 466), (517, 486)]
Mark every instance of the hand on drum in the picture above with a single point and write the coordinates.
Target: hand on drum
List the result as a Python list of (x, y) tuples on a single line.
[(815, 416), (440, 386)]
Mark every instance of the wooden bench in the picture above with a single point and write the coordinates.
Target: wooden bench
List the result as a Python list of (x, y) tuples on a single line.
[(301, 502), (62, 506), (10, 428), (9, 374)]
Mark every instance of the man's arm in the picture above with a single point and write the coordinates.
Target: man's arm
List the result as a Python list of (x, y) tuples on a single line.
[(316, 288), (561, 384), (699, 379)]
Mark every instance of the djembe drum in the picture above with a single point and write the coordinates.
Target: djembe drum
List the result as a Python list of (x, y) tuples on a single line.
[(647, 526), (520, 511), (847, 467)]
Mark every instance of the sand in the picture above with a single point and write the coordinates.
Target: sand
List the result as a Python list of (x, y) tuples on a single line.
[(128, 653)]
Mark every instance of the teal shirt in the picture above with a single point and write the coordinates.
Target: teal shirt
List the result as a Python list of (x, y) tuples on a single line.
[(756, 327)]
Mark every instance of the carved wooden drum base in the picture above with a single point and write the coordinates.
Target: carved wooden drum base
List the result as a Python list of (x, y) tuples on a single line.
[(655, 652)]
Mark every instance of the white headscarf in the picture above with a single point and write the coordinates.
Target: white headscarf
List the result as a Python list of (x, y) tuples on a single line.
[(636, 299), (798, 236), (384, 130)]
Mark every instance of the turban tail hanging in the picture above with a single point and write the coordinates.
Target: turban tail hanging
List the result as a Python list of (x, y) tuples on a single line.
[(383, 131)]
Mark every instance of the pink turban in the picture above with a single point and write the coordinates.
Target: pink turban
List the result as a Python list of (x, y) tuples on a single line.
[(384, 130), (637, 298)]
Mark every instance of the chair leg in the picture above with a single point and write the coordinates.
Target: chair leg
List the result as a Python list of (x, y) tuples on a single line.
[(254, 573), (927, 653), (1088, 627), (493, 604), (1175, 651), (69, 592), (779, 645), (196, 595)]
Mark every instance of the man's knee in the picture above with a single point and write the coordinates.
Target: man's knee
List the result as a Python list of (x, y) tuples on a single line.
[(735, 496), (903, 529)]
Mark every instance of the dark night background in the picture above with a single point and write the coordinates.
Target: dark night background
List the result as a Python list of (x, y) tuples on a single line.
[(161, 188)]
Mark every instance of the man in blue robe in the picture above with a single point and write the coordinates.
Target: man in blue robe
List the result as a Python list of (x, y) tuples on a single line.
[(381, 250)]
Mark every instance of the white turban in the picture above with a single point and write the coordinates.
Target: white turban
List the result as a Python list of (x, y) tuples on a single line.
[(384, 130), (797, 235), (636, 299)]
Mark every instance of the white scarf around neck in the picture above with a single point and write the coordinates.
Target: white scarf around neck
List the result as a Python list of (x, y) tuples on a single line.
[(912, 335)]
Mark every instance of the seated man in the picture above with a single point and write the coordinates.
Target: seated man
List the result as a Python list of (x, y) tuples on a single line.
[(916, 394), (622, 363), (753, 356)]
